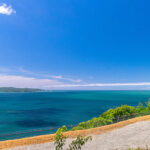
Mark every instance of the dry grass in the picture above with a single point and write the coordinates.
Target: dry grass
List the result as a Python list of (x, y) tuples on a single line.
[(70, 134)]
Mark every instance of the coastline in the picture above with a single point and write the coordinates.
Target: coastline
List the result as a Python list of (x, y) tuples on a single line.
[(70, 134)]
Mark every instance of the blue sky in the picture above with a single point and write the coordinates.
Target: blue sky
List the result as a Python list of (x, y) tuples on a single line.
[(74, 44)]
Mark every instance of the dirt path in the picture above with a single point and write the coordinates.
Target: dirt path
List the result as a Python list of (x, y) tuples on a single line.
[(50, 138), (131, 136)]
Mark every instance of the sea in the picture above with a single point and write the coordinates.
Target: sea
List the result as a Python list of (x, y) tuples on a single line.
[(38, 113)]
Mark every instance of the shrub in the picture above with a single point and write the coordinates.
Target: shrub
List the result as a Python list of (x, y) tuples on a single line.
[(95, 122), (148, 104), (60, 139), (114, 115), (140, 107), (107, 117), (119, 112), (78, 143)]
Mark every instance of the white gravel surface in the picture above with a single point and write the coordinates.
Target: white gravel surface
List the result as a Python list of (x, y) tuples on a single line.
[(131, 136)]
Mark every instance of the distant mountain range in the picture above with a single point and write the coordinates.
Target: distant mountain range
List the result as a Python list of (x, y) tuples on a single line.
[(12, 89)]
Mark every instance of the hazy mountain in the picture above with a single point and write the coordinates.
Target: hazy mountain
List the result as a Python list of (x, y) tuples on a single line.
[(12, 89)]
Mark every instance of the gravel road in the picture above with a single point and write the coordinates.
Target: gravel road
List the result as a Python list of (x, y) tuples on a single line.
[(131, 136)]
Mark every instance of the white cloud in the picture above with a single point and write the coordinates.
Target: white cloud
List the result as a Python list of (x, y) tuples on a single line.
[(32, 82), (20, 77), (64, 78), (6, 10), (22, 71), (105, 84), (26, 82), (57, 77), (27, 72)]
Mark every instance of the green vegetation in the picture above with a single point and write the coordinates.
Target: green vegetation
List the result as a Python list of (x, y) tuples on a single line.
[(12, 89), (111, 116), (60, 139), (114, 115), (76, 144), (79, 142)]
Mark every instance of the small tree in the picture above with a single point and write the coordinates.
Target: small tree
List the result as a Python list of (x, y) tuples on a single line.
[(79, 142), (60, 139)]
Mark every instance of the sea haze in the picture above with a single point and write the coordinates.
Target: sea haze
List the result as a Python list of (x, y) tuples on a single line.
[(20, 112)]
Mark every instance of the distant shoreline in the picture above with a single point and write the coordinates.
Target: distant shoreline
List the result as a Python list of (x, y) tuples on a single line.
[(32, 90), (18, 90)]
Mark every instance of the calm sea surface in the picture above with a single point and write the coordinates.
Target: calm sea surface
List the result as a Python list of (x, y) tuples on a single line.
[(20, 112)]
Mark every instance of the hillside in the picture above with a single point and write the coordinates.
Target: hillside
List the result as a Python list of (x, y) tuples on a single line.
[(12, 89)]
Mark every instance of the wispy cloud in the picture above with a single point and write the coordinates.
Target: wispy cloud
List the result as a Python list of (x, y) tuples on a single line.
[(28, 72), (32, 82), (22, 71), (64, 78), (106, 84), (26, 82), (20, 77), (58, 77), (6, 9), (5, 70)]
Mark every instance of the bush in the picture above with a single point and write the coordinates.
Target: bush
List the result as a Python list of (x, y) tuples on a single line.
[(114, 115), (79, 142), (95, 122), (119, 112), (140, 107), (60, 139), (110, 116), (148, 105)]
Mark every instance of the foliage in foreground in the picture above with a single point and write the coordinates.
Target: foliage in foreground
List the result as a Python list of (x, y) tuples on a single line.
[(111, 116), (114, 115), (60, 139), (76, 144)]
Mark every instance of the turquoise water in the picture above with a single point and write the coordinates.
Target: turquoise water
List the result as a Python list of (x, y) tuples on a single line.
[(21, 112)]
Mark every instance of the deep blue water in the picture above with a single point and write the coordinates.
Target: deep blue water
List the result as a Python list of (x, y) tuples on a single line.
[(21, 112)]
